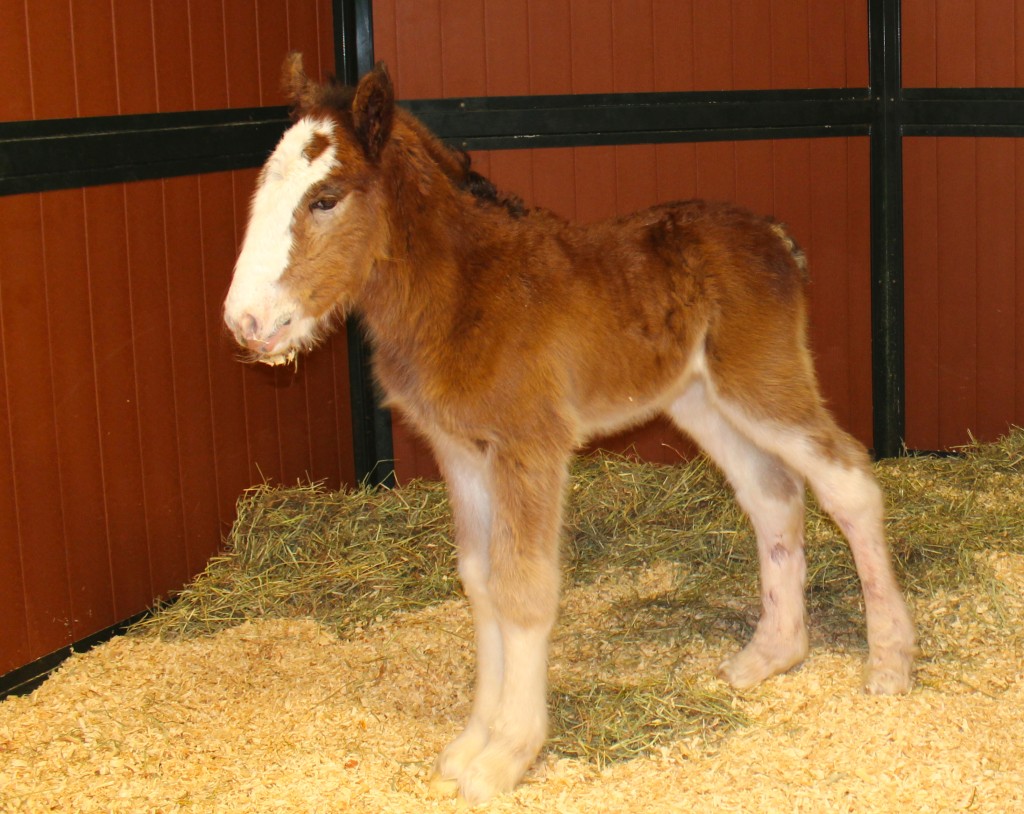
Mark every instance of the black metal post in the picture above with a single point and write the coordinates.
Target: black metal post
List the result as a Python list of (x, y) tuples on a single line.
[(887, 295), (372, 445)]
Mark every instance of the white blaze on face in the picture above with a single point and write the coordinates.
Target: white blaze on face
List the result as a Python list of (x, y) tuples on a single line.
[(256, 300)]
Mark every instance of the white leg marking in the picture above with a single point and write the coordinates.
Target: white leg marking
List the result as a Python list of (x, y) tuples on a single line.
[(773, 497), (470, 495), (519, 724)]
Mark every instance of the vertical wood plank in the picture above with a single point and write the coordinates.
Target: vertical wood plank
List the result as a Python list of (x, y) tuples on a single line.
[(826, 45), (134, 56), (673, 45), (52, 60), (242, 50), (227, 398), (958, 294), (918, 36), (595, 183), (175, 81), (93, 43), (112, 335), (550, 61), (955, 44), (921, 257), (16, 99), (1018, 330), (636, 180), (418, 42), (751, 44), (677, 171), (712, 26), (272, 37), (385, 40), (30, 399), (81, 499), (858, 276), (995, 54), (463, 61), (827, 252), (856, 45), (206, 43), (507, 48), (716, 171), (790, 65), (553, 186), (755, 176), (190, 345), (995, 271), (591, 45), (633, 46), (15, 649), (162, 475)]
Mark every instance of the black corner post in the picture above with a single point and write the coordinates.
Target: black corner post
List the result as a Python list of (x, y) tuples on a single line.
[(371, 424), (887, 294)]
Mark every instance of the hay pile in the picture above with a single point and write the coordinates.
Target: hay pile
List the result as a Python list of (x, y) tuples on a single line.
[(321, 663)]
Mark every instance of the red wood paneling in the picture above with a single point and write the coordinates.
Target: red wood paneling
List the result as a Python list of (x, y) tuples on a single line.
[(965, 288), (128, 427), (109, 57), (962, 43), (962, 211), (30, 398), (439, 48)]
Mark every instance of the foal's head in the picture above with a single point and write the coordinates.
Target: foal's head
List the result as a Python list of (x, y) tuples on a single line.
[(316, 224)]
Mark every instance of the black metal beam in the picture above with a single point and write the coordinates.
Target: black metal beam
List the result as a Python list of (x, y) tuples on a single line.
[(68, 153), (633, 118), (887, 291), (974, 112)]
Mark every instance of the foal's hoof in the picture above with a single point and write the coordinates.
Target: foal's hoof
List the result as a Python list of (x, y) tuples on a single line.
[(761, 660), (442, 787), (893, 676)]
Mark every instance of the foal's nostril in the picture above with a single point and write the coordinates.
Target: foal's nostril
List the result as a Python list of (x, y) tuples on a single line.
[(248, 326)]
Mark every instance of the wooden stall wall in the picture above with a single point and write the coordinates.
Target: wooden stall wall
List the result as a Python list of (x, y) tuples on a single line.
[(819, 187), (128, 428), (964, 213)]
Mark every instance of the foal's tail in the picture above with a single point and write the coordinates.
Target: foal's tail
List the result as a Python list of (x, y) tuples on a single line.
[(792, 247)]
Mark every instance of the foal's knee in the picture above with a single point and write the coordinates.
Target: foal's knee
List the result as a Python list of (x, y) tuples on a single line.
[(525, 590)]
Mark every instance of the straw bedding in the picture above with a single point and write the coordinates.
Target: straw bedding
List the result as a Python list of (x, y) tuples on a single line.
[(325, 658)]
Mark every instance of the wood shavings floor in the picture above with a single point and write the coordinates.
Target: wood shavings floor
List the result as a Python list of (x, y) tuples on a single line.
[(280, 716)]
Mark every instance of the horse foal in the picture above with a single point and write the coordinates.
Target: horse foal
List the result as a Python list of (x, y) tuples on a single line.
[(508, 337)]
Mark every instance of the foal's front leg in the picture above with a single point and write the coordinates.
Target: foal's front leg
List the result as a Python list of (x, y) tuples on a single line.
[(514, 596)]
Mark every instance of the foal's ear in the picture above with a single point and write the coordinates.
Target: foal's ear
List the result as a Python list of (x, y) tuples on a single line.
[(373, 109), (299, 89)]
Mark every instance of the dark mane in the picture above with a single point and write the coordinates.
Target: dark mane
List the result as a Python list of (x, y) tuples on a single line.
[(483, 189)]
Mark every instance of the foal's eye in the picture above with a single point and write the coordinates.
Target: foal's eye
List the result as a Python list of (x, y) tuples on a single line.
[(324, 204)]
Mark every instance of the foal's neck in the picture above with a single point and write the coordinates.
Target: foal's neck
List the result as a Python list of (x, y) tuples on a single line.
[(431, 224)]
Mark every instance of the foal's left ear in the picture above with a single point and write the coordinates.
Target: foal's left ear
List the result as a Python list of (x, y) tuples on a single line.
[(373, 109), (298, 88)]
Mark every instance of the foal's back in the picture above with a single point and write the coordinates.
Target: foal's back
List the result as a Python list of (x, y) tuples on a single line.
[(618, 316)]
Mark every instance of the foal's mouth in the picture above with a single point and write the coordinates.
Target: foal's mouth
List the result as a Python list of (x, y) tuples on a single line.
[(276, 359)]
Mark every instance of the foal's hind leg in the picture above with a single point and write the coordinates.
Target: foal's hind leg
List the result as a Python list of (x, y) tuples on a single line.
[(773, 497), (837, 469)]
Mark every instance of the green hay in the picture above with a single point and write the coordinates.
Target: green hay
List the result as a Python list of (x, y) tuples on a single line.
[(351, 559), (606, 723)]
